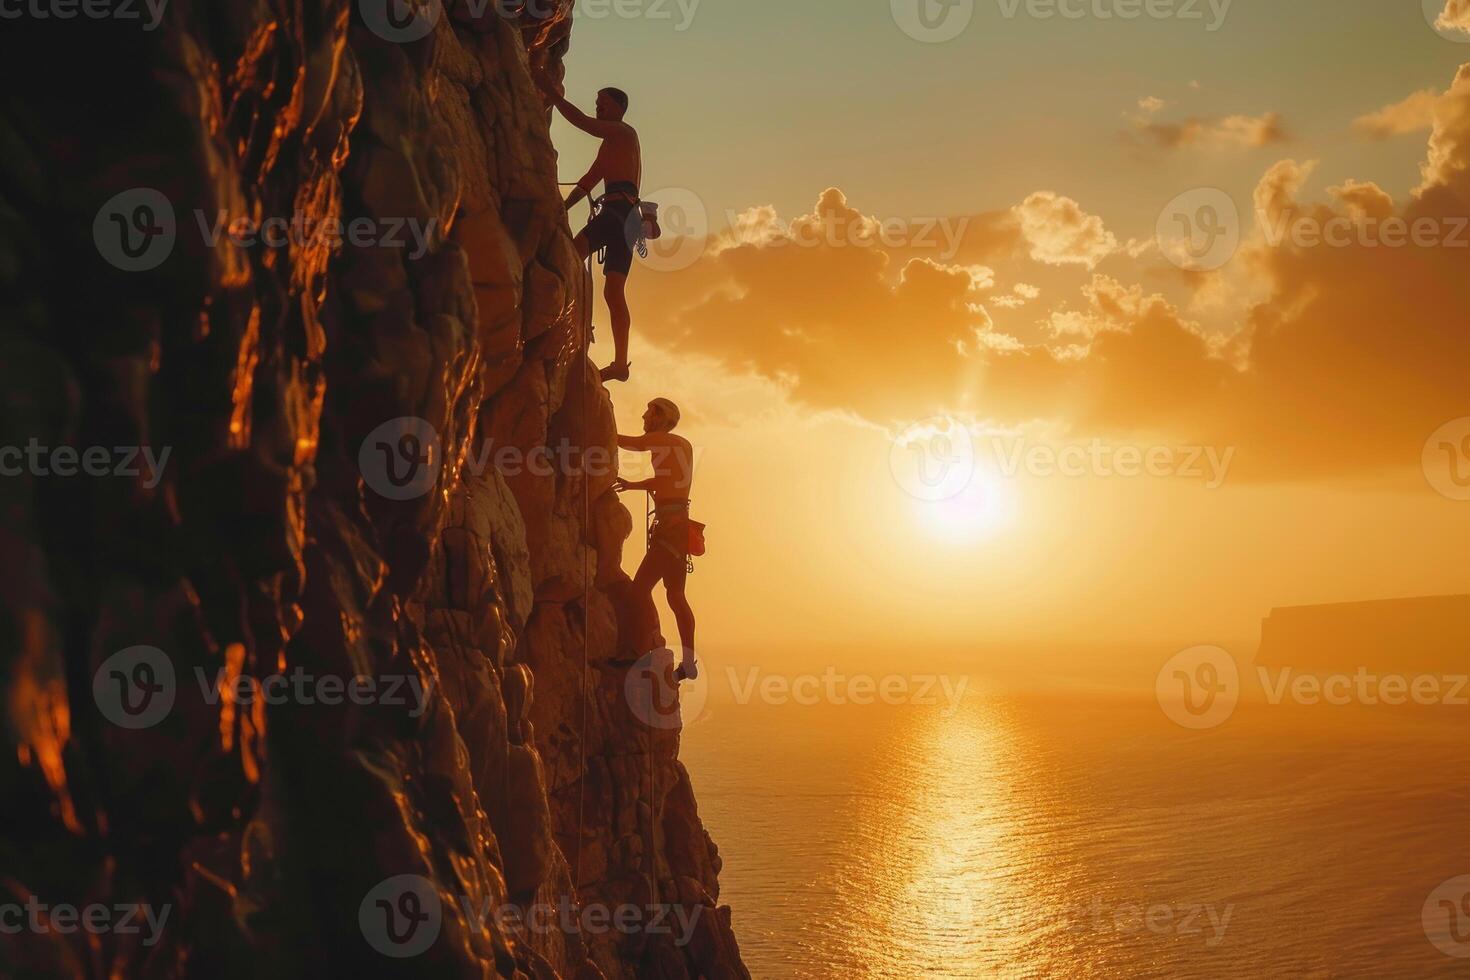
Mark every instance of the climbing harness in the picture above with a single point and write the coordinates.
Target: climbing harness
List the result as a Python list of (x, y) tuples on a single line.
[(694, 546), (647, 227)]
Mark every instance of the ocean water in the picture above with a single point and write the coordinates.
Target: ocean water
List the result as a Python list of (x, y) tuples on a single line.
[(1022, 836)]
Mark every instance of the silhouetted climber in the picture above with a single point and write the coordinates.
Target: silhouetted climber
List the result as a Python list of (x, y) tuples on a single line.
[(617, 222), (674, 537)]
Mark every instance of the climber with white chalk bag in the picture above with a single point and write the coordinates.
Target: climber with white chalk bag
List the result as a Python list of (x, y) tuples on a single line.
[(620, 221), (674, 538)]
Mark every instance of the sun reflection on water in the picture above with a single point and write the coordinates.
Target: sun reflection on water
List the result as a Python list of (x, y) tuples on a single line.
[(946, 877)]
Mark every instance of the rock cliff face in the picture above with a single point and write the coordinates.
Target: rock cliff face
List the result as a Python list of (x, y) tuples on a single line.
[(494, 765)]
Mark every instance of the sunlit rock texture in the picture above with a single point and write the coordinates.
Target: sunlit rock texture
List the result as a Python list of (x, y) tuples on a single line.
[(262, 828)]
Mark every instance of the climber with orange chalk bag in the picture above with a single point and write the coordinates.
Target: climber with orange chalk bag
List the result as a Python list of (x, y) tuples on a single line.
[(674, 539), (620, 222)]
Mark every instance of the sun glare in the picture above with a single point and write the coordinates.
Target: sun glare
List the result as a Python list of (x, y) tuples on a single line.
[(984, 508)]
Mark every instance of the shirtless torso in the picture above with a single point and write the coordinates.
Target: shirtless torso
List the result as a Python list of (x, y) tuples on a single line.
[(620, 160), (673, 464)]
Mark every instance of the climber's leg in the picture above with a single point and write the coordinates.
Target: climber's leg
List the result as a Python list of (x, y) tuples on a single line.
[(584, 247), (622, 321), (683, 615), (645, 613)]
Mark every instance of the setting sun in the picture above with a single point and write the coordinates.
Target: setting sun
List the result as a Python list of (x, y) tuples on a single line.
[(985, 507)]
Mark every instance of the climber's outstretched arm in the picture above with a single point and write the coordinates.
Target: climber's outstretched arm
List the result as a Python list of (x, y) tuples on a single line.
[(640, 444), (601, 128), (623, 486), (596, 127)]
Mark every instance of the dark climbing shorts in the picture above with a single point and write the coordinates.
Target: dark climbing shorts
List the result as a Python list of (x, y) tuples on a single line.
[(616, 229)]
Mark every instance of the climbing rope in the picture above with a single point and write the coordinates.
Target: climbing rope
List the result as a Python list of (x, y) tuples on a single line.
[(648, 734), (584, 345)]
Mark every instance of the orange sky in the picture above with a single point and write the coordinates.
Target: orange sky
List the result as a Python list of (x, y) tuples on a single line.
[(1275, 397)]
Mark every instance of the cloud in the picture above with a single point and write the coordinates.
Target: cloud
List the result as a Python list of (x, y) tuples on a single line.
[(1339, 359), (1151, 104), (1456, 16), (1448, 165), (1059, 232), (1363, 200), (1229, 132), (1276, 192), (826, 318), (1021, 294), (1412, 115)]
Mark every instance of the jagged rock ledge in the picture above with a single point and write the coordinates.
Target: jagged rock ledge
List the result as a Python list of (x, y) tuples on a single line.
[(263, 829)]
